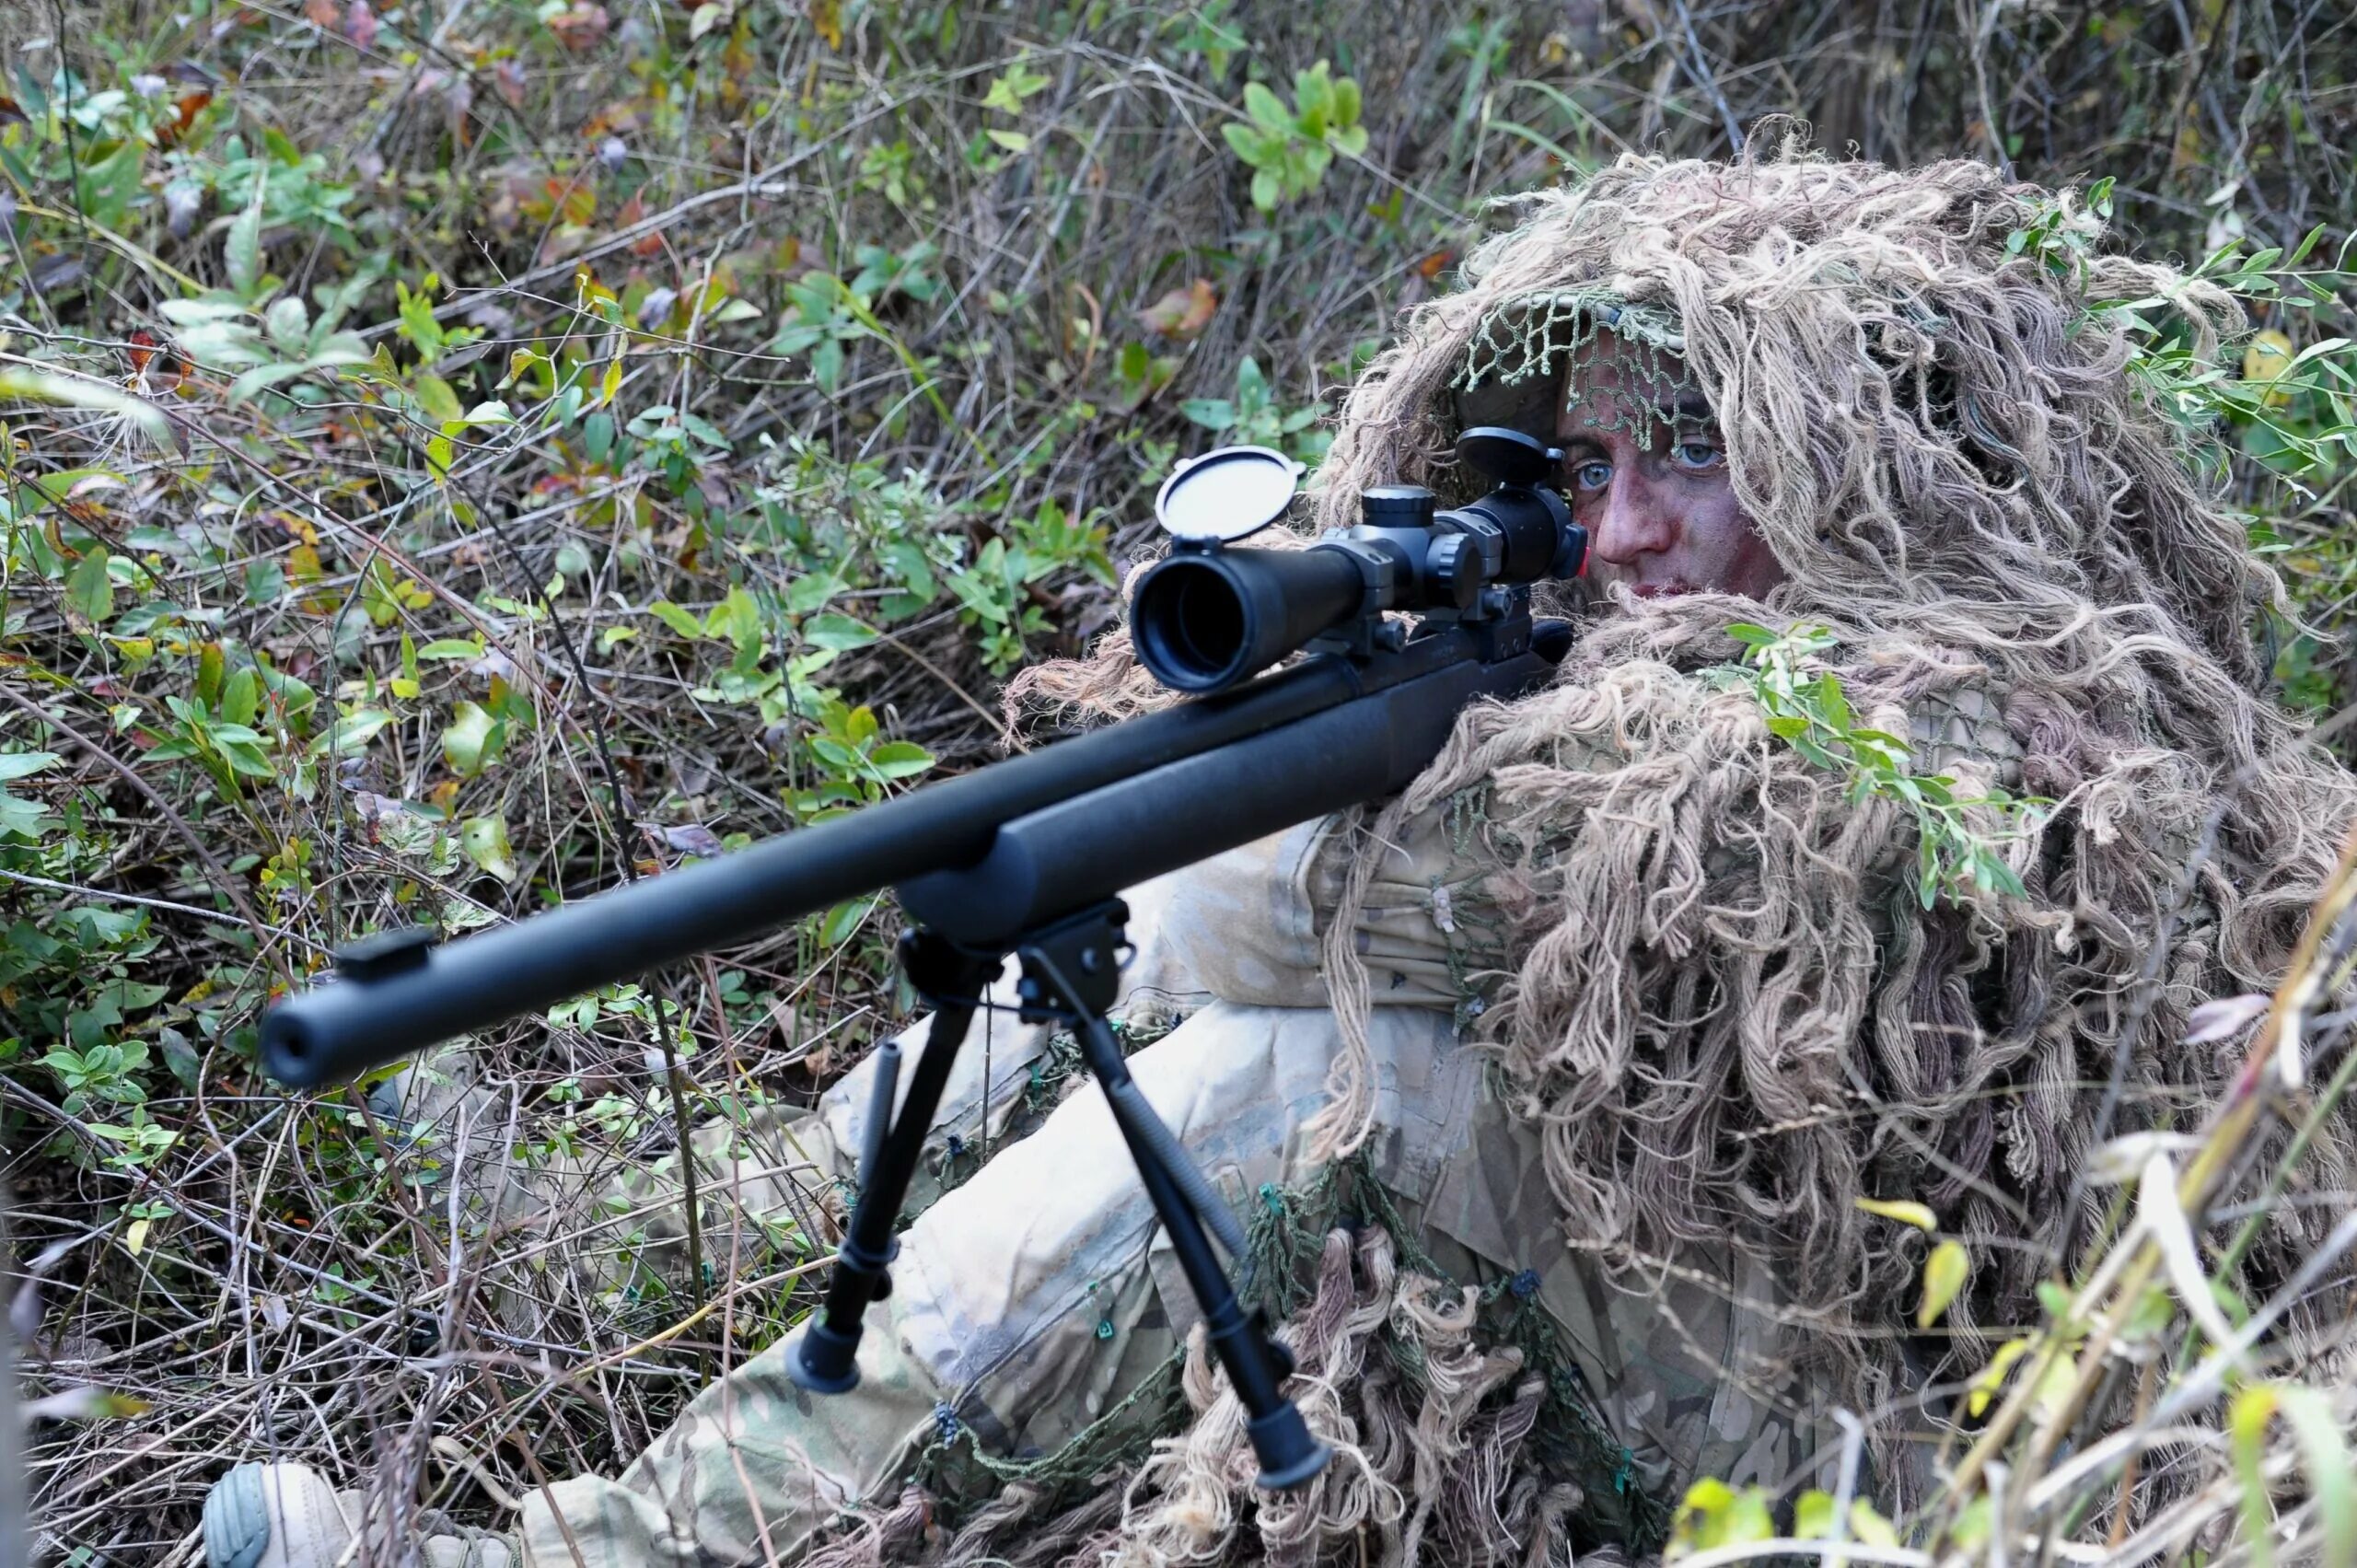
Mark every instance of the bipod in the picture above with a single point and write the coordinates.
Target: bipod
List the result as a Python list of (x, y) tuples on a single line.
[(1071, 974)]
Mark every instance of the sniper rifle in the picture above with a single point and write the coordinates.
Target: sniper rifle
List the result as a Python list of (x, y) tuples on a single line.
[(1026, 856)]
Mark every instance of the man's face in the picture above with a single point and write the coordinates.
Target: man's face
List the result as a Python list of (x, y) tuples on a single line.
[(1649, 480)]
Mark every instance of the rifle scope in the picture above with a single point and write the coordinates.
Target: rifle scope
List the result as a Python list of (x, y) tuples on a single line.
[(1209, 616)]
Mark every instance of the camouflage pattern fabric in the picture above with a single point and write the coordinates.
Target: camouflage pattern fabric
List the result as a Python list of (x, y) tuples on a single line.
[(1035, 1296)]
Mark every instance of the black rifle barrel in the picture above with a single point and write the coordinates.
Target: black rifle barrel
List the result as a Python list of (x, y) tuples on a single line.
[(341, 1031), (1088, 847)]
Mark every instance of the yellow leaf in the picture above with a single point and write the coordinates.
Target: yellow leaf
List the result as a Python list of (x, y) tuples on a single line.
[(1991, 1378), (2056, 1388), (2268, 356), (827, 16), (1916, 1214), (1870, 1527), (485, 840), (1945, 1272), (135, 1237)]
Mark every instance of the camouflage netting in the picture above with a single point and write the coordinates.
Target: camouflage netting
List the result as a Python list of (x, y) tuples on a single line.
[(1714, 991), (1534, 358), (1457, 1420)]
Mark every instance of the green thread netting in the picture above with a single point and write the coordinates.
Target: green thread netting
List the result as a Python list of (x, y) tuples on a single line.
[(1538, 336)]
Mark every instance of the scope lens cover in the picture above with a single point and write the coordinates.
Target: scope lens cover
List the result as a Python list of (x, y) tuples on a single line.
[(1222, 496)]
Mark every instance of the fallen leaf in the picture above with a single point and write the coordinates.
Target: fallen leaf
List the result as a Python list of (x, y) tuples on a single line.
[(693, 839), (322, 14), (2122, 1159), (1183, 313), (580, 26), (508, 79), (184, 113), (360, 24), (485, 840)]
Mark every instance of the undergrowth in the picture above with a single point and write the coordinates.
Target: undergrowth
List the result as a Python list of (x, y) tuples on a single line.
[(457, 456)]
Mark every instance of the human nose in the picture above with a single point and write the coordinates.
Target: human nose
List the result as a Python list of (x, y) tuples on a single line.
[(1629, 521)]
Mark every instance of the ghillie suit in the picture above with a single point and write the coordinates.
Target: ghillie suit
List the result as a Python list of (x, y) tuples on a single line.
[(1706, 969), (1633, 995)]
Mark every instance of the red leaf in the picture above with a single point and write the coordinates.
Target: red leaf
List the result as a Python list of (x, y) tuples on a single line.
[(1183, 313), (360, 24), (184, 115), (581, 26)]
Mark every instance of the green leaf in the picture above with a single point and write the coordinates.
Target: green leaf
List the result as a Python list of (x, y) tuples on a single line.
[(23, 764), (451, 649), (678, 620), (2324, 1458), (484, 839), (1013, 141), (90, 592), (242, 252), (838, 633), (844, 920), (466, 744), (900, 760), (351, 732), (1944, 1273), (1265, 109), (437, 399), (240, 698)]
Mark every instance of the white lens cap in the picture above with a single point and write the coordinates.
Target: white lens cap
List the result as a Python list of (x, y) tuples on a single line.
[(1222, 496)]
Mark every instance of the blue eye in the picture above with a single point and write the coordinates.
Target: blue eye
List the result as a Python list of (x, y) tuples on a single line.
[(1592, 475), (1697, 454)]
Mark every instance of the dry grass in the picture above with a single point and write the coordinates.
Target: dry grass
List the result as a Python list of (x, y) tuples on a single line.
[(291, 1278)]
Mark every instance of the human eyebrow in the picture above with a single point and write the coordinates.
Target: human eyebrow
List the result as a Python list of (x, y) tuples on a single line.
[(1687, 408)]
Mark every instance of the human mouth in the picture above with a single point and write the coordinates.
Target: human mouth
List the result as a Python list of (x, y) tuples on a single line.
[(1658, 590)]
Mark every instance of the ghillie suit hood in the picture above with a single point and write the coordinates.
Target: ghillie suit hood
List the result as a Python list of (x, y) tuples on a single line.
[(1717, 991)]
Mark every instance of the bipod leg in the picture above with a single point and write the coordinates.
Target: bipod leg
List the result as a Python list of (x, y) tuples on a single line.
[(952, 979), (1074, 965)]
